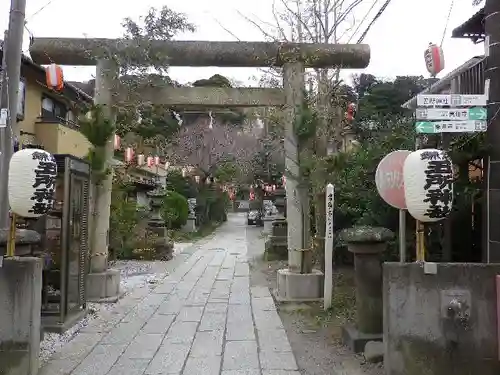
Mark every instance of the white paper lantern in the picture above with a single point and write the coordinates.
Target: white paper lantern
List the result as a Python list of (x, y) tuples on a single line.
[(428, 181), (32, 181)]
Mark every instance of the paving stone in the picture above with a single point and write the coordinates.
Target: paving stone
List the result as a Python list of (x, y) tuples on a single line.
[(79, 347), (203, 365), (216, 308), (158, 324), (280, 372), (241, 372), (240, 332), (266, 320), (123, 333), (270, 360), (239, 313), (181, 333), (240, 283), (212, 322), (190, 314), (100, 360), (275, 340), (239, 298), (240, 355), (59, 367), (165, 288), (169, 359), (265, 304), (171, 306), (153, 300), (144, 346), (225, 274), (207, 344), (241, 269), (126, 366), (139, 314), (197, 299)]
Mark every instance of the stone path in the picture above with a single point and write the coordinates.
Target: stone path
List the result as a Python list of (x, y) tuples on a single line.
[(204, 318)]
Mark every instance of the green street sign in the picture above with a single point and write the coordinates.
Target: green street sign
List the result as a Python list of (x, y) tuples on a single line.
[(478, 113), (425, 127), (466, 126), (452, 114)]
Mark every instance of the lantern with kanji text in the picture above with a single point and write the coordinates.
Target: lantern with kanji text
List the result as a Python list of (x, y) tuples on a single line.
[(434, 59)]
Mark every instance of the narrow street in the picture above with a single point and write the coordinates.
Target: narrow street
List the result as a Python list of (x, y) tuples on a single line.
[(203, 318)]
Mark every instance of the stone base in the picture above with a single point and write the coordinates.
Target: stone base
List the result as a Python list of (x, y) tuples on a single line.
[(276, 248), (296, 287), (190, 226), (356, 340), (103, 287), (52, 324), (268, 225)]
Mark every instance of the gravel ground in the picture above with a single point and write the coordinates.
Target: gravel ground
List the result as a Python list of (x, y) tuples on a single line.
[(313, 336), (133, 274)]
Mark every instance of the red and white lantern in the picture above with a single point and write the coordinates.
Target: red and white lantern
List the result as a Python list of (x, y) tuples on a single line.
[(54, 77), (434, 59), (274, 187), (117, 142), (150, 161), (157, 161), (140, 159), (283, 180), (167, 165), (129, 154)]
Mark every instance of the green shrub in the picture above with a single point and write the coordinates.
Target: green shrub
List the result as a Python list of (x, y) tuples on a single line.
[(175, 210)]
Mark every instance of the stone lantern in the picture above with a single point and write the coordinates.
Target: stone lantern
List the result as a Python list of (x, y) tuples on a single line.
[(367, 244), (156, 225)]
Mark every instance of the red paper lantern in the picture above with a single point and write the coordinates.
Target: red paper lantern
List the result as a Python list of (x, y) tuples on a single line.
[(351, 112), (140, 159), (54, 77), (150, 161), (116, 142), (434, 59), (129, 154), (157, 160)]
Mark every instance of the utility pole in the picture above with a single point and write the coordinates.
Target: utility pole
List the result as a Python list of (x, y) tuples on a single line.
[(11, 73), (492, 73)]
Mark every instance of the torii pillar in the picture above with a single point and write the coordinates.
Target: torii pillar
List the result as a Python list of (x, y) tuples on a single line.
[(293, 57)]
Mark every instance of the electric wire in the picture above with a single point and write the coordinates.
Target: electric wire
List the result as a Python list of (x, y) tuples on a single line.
[(377, 16)]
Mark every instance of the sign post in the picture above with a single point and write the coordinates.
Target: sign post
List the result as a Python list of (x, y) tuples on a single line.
[(390, 185), (328, 287)]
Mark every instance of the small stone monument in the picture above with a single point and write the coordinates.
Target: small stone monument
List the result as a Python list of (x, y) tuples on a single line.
[(162, 245), (367, 244), (276, 246), (190, 225)]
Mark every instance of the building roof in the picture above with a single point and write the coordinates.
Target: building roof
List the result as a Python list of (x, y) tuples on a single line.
[(444, 82), (70, 90), (472, 29)]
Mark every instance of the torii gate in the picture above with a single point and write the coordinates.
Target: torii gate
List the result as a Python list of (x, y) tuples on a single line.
[(293, 57)]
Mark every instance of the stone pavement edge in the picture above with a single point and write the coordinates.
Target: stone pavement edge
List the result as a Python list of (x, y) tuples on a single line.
[(204, 318)]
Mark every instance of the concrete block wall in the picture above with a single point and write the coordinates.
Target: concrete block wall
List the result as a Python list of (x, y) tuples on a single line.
[(418, 340), (20, 305)]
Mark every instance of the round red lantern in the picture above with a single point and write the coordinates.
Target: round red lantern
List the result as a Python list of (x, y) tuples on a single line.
[(434, 59), (54, 77)]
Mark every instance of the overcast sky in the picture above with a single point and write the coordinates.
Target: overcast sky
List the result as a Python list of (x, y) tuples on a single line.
[(397, 40)]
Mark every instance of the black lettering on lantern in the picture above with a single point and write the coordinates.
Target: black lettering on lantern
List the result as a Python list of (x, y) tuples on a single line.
[(45, 174), (439, 173), (438, 187), (430, 155), (44, 185)]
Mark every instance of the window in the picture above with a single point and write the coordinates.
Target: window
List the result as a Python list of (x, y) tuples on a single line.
[(53, 109), (21, 99)]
